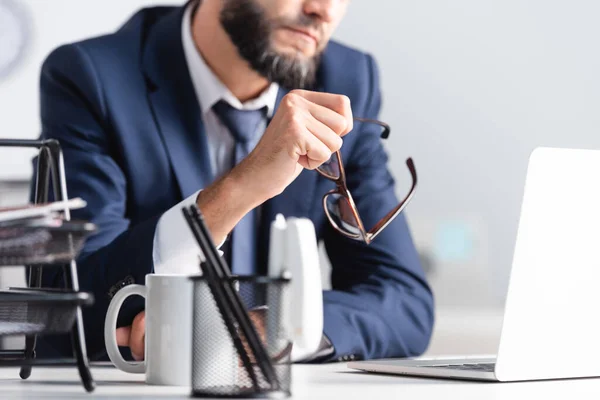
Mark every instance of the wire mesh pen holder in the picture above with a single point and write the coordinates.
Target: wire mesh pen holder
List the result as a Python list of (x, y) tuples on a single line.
[(218, 370), (36, 310)]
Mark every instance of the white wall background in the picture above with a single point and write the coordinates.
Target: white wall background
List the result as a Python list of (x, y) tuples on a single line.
[(50, 24), (470, 88)]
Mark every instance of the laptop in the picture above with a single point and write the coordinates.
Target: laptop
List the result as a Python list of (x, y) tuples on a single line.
[(551, 325)]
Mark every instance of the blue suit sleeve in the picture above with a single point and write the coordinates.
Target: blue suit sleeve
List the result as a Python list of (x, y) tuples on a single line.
[(74, 112), (380, 304)]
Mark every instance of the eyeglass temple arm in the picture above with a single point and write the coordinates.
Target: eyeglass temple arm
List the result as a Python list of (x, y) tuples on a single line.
[(385, 221), (386, 128)]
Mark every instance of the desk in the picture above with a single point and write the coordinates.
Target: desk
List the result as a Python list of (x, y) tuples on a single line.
[(330, 382)]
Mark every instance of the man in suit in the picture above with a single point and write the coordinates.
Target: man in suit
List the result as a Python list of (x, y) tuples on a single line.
[(230, 104)]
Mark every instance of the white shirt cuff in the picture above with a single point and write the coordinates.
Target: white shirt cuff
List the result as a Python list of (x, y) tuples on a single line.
[(175, 249)]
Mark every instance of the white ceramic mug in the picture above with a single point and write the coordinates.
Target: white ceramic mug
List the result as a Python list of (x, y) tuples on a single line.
[(168, 329)]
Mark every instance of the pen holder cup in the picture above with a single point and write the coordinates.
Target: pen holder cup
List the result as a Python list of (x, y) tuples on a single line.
[(217, 368)]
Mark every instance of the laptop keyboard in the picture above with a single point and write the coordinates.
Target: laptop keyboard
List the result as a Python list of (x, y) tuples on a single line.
[(483, 367)]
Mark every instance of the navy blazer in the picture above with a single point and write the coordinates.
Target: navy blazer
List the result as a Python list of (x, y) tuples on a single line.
[(125, 112)]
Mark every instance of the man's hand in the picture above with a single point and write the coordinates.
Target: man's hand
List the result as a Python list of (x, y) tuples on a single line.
[(134, 336), (305, 131)]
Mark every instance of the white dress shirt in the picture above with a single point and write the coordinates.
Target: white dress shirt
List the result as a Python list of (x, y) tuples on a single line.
[(175, 249)]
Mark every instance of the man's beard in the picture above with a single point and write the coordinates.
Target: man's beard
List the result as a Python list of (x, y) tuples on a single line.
[(250, 31)]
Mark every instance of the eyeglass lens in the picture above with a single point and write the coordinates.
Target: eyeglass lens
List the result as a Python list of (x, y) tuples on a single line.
[(339, 210)]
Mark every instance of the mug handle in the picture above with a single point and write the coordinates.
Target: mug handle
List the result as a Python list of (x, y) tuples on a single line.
[(110, 327)]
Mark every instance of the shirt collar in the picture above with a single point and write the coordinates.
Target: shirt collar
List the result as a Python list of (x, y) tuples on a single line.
[(208, 87)]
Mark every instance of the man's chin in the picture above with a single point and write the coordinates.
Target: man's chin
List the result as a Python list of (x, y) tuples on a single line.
[(291, 52), (288, 68)]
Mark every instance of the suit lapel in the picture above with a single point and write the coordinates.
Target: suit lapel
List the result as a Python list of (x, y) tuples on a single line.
[(175, 106)]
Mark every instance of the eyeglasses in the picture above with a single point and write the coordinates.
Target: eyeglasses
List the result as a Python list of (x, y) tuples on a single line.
[(339, 205)]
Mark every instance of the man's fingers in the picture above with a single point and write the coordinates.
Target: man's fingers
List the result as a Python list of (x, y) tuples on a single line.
[(325, 134), (137, 336), (314, 151), (334, 121), (123, 335), (335, 102)]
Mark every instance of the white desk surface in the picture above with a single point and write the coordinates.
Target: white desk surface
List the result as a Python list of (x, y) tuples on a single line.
[(333, 381)]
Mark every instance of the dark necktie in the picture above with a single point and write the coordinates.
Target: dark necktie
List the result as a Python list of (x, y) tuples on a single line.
[(243, 126)]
